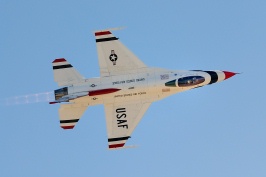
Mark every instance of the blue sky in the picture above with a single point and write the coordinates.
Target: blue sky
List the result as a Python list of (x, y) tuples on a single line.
[(217, 130)]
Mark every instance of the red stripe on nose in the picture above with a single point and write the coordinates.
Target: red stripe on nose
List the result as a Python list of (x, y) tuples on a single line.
[(228, 74)]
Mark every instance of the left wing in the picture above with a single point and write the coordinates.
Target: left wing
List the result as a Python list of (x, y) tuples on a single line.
[(121, 120), (114, 58)]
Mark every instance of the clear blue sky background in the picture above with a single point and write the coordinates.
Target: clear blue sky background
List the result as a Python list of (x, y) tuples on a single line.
[(214, 131)]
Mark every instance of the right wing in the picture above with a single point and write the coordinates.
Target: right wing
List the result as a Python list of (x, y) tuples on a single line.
[(121, 120), (70, 114), (114, 58)]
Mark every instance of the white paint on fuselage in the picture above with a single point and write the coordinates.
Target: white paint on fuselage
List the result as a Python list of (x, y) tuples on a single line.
[(148, 86)]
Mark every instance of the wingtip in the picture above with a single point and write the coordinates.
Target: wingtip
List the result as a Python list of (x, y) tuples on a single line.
[(59, 60), (115, 146), (123, 147), (67, 127), (109, 29), (100, 33)]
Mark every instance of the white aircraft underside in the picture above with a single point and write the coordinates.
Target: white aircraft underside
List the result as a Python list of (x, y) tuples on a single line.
[(126, 88)]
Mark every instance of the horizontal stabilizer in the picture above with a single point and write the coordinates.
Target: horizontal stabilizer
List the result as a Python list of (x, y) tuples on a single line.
[(70, 114), (124, 147), (64, 73)]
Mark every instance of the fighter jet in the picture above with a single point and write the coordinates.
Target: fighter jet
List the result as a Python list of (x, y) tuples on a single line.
[(126, 87)]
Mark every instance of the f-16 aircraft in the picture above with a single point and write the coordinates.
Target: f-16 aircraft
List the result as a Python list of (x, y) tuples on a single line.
[(126, 87)]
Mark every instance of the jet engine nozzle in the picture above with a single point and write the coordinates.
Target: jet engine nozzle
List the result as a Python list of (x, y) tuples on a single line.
[(59, 93)]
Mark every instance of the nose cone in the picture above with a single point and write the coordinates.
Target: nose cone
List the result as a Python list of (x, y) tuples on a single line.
[(228, 74)]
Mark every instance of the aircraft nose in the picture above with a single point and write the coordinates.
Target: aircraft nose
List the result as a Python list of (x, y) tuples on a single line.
[(228, 74)]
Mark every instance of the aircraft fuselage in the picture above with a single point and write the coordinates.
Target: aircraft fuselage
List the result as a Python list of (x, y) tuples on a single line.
[(149, 84)]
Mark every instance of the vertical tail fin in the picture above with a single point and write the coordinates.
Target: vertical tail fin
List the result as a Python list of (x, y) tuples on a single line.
[(64, 72)]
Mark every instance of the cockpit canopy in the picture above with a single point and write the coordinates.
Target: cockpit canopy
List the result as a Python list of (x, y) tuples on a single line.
[(59, 93), (190, 81)]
